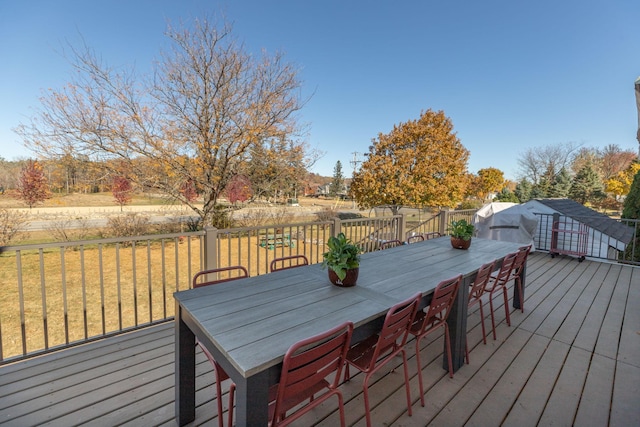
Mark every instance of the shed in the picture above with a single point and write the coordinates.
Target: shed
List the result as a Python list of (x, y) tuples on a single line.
[(606, 236)]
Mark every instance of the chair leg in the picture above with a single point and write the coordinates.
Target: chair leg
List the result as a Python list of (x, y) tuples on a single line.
[(419, 370), (341, 409), (219, 401), (506, 305), (447, 342), (406, 381), (365, 389), (232, 393), (484, 333), (493, 320)]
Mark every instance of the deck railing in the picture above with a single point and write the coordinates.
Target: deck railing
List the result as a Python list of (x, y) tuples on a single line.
[(61, 294), (56, 295)]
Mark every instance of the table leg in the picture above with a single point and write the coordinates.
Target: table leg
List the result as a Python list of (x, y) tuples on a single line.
[(516, 294), (185, 371), (252, 400), (457, 324)]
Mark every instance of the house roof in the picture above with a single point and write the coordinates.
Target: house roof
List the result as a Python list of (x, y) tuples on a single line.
[(591, 218)]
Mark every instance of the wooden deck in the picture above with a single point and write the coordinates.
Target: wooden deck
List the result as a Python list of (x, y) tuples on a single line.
[(572, 358)]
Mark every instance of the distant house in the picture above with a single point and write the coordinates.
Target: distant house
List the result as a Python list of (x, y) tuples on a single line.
[(605, 236)]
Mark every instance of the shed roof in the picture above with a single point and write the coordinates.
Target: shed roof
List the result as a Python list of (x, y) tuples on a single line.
[(591, 218)]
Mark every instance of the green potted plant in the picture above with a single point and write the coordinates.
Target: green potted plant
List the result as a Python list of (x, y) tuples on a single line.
[(343, 260), (461, 232)]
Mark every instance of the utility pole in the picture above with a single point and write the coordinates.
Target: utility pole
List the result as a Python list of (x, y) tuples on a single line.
[(354, 164)]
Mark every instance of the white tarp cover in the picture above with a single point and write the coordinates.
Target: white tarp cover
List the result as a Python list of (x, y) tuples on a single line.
[(509, 222)]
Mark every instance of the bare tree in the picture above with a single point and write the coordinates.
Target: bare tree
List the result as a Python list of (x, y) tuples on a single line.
[(208, 103), (544, 163)]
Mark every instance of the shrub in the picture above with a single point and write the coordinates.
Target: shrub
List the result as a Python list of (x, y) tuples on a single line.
[(131, 224), (11, 221)]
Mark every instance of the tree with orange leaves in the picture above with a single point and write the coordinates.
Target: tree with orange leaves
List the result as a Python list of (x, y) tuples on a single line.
[(419, 163)]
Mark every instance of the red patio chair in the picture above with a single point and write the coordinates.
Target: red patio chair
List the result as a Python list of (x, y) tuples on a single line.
[(432, 235), (499, 282), (233, 273), (516, 271), (221, 374), (414, 239), (306, 369), (475, 297), (287, 262), (371, 354), (390, 244), (433, 317)]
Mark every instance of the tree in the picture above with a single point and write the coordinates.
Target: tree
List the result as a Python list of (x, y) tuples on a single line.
[(620, 184), (337, 184), (523, 190), (507, 195), (545, 162), (489, 180), (586, 186), (420, 162), (631, 208), (121, 189), (32, 184), (208, 104), (561, 184), (239, 189), (615, 160), (188, 191), (277, 168)]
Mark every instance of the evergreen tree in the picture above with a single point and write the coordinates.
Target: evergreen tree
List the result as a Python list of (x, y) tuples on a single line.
[(507, 195), (561, 184), (523, 190), (337, 184), (586, 186), (631, 210)]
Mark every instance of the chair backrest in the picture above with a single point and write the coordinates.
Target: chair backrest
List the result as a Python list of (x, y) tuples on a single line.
[(308, 364), (414, 239), (234, 273), (287, 262), (502, 277), (395, 329), (482, 278), (432, 235), (390, 244), (441, 302), (521, 258)]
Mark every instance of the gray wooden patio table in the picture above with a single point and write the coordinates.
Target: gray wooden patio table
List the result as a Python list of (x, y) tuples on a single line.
[(249, 324)]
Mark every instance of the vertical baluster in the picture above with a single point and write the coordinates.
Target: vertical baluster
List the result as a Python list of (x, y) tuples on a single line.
[(64, 295), (134, 275), (102, 303), (43, 291), (149, 285), (84, 293)]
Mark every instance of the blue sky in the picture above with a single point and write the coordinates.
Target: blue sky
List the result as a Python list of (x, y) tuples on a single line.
[(510, 74)]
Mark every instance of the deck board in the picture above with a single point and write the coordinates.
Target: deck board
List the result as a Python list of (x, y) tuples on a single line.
[(569, 359)]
